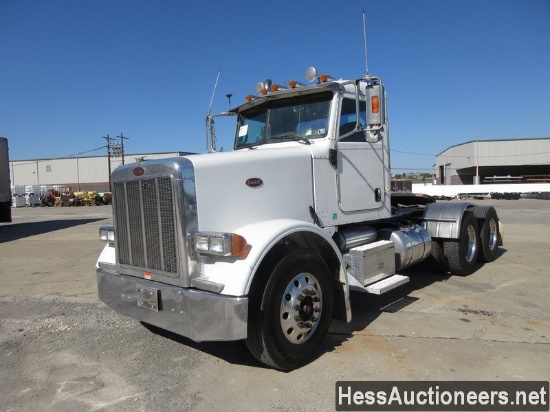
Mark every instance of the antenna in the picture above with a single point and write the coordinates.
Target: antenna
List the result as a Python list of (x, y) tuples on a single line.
[(214, 91), (365, 42), (210, 122)]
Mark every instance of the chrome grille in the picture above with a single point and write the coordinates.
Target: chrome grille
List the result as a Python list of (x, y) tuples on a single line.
[(145, 227)]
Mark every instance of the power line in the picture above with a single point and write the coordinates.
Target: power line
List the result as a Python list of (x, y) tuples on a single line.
[(410, 168), (50, 159), (87, 151), (414, 153)]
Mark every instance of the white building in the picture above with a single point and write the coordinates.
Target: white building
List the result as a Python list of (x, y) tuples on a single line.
[(494, 161), (78, 173)]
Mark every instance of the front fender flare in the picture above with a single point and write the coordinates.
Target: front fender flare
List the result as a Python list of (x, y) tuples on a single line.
[(237, 274)]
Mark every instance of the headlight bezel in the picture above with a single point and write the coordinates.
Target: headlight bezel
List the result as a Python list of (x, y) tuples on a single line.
[(107, 234), (219, 244)]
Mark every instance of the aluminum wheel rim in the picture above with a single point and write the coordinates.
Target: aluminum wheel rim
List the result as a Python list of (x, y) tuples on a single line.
[(472, 244), (493, 234), (301, 308)]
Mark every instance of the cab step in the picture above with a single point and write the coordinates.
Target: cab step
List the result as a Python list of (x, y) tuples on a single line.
[(387, 284)]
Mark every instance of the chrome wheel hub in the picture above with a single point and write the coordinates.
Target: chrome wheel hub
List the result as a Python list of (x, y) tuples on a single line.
[(472, 244), (493, 234), (301, 308)]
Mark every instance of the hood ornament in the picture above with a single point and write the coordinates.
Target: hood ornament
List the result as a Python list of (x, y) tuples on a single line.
[(139, 160)]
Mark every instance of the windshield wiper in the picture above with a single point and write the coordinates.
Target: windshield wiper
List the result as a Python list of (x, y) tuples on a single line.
[(303, 140), (291, 136)]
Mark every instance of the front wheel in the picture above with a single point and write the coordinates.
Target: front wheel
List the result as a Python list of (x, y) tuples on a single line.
[(291, 316)]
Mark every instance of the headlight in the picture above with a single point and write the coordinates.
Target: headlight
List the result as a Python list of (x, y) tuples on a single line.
[(220, 244), (107, 233)]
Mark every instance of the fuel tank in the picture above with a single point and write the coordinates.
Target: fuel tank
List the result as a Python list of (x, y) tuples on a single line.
[(350, 238), (412, 244)]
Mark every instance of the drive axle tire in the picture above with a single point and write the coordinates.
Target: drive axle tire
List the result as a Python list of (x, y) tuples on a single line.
[(436, 260), (289, 315), (489, 233), (461, 254)]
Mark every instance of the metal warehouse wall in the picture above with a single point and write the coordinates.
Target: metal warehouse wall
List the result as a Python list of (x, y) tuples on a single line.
[(456, 157), (75, 171), (516, 157), (496, 153), (513, 152)]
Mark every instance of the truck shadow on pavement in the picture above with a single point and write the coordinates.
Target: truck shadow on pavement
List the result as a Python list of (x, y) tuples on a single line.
[(9, 233), (366, 309), (234, 352)]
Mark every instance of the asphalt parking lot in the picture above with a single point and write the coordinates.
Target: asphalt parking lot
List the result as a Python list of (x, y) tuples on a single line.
[(62, 349)]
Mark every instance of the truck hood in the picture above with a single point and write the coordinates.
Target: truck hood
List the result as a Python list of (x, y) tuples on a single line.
[(235, 189)]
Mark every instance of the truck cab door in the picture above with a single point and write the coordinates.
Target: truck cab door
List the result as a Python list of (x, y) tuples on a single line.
[(361, 165)]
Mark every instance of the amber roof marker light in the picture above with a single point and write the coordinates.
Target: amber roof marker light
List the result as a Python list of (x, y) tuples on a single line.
[(294, 84), (311, 74)]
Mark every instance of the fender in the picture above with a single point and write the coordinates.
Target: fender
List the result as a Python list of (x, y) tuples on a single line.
[(443, 220), (107, 258), (237, 274)]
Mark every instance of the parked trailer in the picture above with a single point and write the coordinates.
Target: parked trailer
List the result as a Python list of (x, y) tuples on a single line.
[(5, 192), (264, 243)]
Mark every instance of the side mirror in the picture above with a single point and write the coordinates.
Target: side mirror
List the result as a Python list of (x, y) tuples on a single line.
[(375, 106), (376, 116)]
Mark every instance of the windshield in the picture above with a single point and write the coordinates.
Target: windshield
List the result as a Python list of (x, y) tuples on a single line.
[(298, 118)]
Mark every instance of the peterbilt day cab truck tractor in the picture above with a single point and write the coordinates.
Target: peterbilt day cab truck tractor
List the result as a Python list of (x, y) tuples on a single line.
[(264, 243)]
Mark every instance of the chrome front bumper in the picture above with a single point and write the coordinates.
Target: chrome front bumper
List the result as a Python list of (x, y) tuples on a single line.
[(197, 315)]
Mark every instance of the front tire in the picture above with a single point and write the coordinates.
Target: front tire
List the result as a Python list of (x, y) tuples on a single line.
[(290, 316), (461, 254)]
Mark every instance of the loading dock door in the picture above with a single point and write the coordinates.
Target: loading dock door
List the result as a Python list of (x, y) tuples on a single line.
[(448, 174)]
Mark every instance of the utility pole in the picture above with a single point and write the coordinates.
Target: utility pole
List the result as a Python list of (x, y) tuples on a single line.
[(114, 150), (121, 137), (108, 139)]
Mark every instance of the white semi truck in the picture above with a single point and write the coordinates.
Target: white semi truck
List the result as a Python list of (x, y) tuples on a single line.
[(264, 243), (5, 191)]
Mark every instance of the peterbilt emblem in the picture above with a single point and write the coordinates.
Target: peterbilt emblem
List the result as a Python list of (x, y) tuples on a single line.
[(254, 182), (138, 171)]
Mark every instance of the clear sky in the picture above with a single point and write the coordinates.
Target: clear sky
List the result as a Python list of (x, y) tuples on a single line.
[(74, 71)]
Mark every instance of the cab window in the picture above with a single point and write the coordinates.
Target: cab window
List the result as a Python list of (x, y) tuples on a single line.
[(348, 119)]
